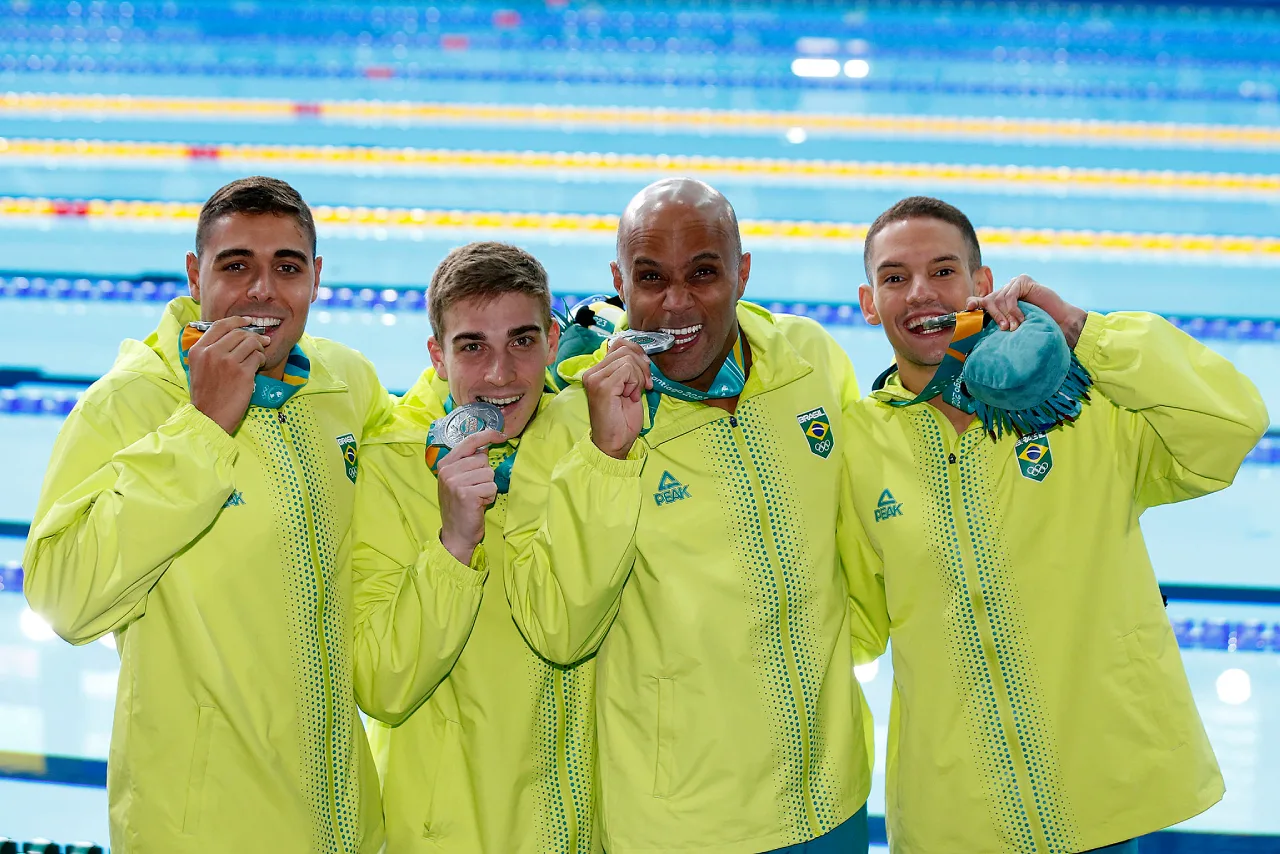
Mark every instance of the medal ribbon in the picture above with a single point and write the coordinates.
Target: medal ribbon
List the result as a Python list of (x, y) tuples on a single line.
[(729, 382), (268, 392), (971, 327)]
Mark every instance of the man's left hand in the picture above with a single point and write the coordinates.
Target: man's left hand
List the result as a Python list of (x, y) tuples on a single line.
[(1002, 305)]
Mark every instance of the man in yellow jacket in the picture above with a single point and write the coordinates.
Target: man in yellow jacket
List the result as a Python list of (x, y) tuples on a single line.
[(197, 506), (1039, 700), (483, 746), (686, 518)]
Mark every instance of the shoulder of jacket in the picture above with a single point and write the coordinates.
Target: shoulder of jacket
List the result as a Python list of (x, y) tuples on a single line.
[(567, 411), (346, 363)]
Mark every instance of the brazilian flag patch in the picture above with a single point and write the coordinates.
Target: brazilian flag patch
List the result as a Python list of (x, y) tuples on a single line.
[(817, 429), (1035, 460), (349, 455)]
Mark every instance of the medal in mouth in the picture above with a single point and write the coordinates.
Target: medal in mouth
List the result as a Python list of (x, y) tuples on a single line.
[(206, 325), (464, 421), (651, 342)]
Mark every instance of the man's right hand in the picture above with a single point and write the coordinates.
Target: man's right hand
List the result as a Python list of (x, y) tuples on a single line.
[(223, 364), (466, 487), (615, 390)]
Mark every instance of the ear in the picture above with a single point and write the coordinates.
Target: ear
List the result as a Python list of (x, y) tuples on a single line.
[(617, 280), (744, 273), (983, 282), (193, 276), (867, 302), (315, 286), (437, 358), (553, 344)]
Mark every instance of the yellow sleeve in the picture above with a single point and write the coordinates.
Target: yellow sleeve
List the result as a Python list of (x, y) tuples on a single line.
[(115, 510), (863, 569), (415, 604), (570, 537), (1189, 417)]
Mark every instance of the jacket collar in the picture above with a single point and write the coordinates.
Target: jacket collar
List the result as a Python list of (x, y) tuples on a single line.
[(775, 363)]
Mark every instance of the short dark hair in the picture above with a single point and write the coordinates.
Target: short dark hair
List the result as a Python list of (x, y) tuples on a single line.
[(255, 196), (486, 271), (923, 207)]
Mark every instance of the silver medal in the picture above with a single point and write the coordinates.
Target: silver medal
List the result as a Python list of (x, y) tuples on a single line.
[(943, 322), (467, 420), (651, 341), (206, 325)]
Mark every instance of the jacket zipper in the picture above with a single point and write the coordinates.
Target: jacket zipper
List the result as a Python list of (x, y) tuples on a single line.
[(977, 603), (788, 650), (286, 435)]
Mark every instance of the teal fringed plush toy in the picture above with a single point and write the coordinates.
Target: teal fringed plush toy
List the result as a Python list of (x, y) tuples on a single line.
[(583, 328), (1024, 381)]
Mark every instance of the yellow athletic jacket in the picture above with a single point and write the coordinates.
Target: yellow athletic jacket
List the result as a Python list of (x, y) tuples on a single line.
[(1040, 703), (709, 571), (222, 565), (486, 747)]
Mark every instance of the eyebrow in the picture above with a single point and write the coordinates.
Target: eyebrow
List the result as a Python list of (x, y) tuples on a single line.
[(641, 261), (886, 264), (241, 252), (528, 328)]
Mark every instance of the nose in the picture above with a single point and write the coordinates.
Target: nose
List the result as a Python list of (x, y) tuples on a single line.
[(262, 288), (676, 299), (501, 369), (921, 291)]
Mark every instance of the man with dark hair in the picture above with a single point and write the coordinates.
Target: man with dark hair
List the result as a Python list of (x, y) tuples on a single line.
[(685, 516), (197, 506), (1039, 702), (482, 744)]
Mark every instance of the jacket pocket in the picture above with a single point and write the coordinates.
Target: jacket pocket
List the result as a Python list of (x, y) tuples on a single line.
[(1151, 679), (199, 765), (436, 823), (666, 756)]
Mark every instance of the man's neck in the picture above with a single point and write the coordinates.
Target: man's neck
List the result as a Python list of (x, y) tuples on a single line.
[(276, 372), (914, 379), (704, 381)]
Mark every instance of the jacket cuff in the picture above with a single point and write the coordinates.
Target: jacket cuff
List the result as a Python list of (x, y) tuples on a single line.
[(437, 558), (188, 419), (1087, 346), (597, 459)]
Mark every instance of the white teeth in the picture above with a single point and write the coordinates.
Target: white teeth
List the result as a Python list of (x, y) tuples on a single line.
[(684, 332), (499, 401), (263, 321), (912, 324)]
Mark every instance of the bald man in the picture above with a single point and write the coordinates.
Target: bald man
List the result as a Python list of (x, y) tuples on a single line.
[(685, 516)]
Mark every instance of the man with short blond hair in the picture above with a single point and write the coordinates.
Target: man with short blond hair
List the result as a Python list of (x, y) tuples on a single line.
[(482, 744)]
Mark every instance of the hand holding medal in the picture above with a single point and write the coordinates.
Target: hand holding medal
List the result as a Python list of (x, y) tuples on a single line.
[(615, 390), (457, 452)]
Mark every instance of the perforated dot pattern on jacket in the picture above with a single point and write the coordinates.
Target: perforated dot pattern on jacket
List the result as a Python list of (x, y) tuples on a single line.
[(764, 596), (1010, 740)]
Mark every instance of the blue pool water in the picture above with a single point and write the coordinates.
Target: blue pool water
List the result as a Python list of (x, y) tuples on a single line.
[(1180, 104)]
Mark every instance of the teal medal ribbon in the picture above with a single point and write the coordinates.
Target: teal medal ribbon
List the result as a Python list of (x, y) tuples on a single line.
[(729, 382), (971, 328), (268, 392), (437, 451)]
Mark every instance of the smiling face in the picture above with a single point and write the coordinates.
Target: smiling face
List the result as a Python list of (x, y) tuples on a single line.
[(258, 266), (496, 350), (680, 269), (919, 268)]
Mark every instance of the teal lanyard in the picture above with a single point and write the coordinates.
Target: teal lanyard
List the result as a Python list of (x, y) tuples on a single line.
[(501, 471), (729, 382), (268, 392), (971, 327)]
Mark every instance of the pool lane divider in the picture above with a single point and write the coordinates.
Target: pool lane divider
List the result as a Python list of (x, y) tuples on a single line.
[(555, 165), (402, 222), (644, 120)]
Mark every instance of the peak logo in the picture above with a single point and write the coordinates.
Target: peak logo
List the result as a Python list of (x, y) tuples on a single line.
[(887, 507), (670, 490)]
